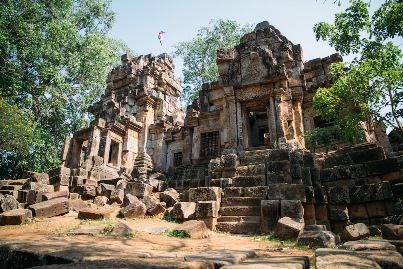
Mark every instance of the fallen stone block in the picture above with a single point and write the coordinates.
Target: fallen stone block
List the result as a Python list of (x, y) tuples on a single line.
[(93, 213), (77, 204), (270, 213), (194, 229), (101, 200), (53, 195), (128, 199), (117, 196), (157, 209), (318, 236), (205, 194), (184, 211), (169, 196), (138, 189), (36, 177), (50, 208), (392, 231), (287, 228), (158, 185), (206, 209), (283, 262), (105, 190), (338, 212), (334, 258), (7, 203), (355, 232), (121, 229), (292, 209), (15, 217), (366, 244), (136, 209), (223, 257)]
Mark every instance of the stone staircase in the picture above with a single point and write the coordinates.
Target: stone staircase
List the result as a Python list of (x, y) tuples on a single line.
[(262, 174)]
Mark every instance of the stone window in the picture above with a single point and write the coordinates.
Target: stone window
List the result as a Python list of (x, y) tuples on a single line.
[(113, 158), (321, 123), (177, 159), (209, 144)]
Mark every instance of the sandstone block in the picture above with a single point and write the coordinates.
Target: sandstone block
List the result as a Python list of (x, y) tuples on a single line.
[(292, 209), (206, 209), (205, 194), (37, 177), (34, 196), (101, 200), (158, 185), (53, 195), (278, 155), (169, 196), (121, 229), (275, 178), (338, 212), (229, 161), (310, 194), (93, 213), (321, 212), (138, 189), (382, 166), (392, 231), (184, 210), (338, 195), (136, 209), (157, 209), (376, 209), (248, 181), (309, 211), (50, 208), (357, 211), (270, 213), (7, 203), (355, 232), (285, 191), (194, 228), (324, 239), (117, 196), (128, 199), (86, 190), (279, 167), (77, 204), (105, 190), (362, 194), (15, 217), (287, 228)]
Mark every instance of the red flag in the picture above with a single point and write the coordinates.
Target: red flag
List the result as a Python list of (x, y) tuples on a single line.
[(160, 38)]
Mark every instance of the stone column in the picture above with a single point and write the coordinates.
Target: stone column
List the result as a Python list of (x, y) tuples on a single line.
[(229, 119), (94, 138), (297, 120), (271, 116)]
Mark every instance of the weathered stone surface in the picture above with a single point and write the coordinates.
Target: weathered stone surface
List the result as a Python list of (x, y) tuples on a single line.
[(138, 189), (157, 209), (205, 194), (121, 229), (77, 205), (392, 232), (15, 217), (50, 208), (128, 199), (184, 210), (158, 185), (333, 259), (206, 209), (338, 212), (87, 190), (355, 232), (322, 238), (7, 203), (136, 209), (36, 177), (194, 228), (270, 213), (287, 228), (339, 195), (292, 209), (366, 244), (53, 195), (286, 192), (170, 197), (105, 190), (284, 262), (101, 200), (93, 213), (117, 196)]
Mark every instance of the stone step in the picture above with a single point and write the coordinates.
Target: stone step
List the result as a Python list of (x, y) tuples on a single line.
[(243, 227), (240, 211), (241, 201), (251, 170), (9, 192), (12, 187), (249, 181), (239, 218), (253, 156), (259, 192)]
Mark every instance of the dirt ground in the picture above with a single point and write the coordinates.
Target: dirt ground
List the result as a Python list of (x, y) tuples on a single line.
[(57, 229)]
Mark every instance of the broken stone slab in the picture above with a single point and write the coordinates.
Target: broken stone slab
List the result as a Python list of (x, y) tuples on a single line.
[(101, 200), (53, 195), (150, 202), (36, 177), (15, 217), (93, 213), (8, 202), (117, 196), (334, 259), (136, 209), (77, 204), (158, 209), (317, 236), (104, 189), (50, 208), (184, 211), (284, 262), (288, 228), (392, 231), (223, 257), (158, 185), (121, 229), (34, 196), (355, 232), (169, 196), (194, 229), (86, 230), (87, 190), (128, 199), (361, 245), (153, 229), (138, 189)]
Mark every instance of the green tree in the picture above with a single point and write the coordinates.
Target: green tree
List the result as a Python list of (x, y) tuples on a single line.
[(54, 59), (368, 89), (199, 54)]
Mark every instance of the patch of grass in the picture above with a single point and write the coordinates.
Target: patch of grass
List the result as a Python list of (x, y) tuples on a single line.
[(178, 234), (68, 231), (170, 219), (272, 238), (107, 230)]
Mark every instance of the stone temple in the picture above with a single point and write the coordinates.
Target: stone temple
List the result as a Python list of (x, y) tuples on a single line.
[(236, 156)]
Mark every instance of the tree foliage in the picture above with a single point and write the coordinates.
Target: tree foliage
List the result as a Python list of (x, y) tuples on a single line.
[(54, 59), (199, 54), (369, 89)]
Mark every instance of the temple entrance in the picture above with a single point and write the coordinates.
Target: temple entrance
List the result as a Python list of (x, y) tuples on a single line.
[(259, 134)]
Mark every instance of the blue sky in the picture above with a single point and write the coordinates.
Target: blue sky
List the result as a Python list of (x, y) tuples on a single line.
[(139, 21)]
